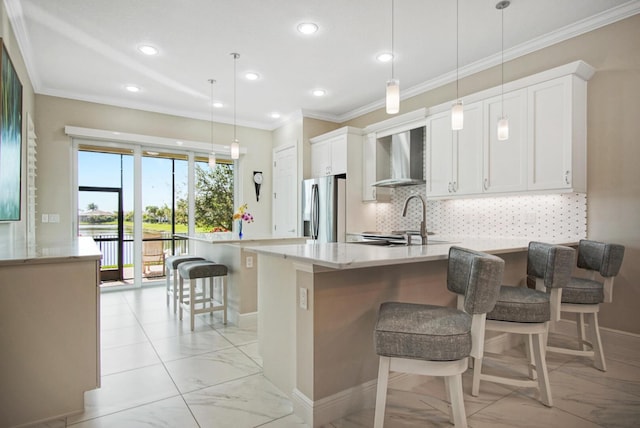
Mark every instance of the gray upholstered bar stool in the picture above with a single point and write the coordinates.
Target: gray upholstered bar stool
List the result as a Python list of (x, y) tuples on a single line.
[(434, 340), (171, 266), (583, 296), (203, 302), (526, 311)]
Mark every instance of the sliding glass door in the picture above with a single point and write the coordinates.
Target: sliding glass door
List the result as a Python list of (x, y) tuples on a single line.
[(135, 203)]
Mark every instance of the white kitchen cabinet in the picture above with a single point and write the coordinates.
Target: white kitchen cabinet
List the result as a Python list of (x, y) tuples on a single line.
[(50, 340), (329, 157), (454, 158), (340, 152), (556, 135), (505, 162), (371, 170)]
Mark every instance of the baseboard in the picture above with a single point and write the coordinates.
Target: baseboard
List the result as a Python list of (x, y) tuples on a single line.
[(247, 320), (568, 327)]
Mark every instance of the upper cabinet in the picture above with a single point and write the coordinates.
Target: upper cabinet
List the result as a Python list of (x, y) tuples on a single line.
[(546, 148), (505, 162), (454, 158), (329, 157), (557, 135), (340, 152)]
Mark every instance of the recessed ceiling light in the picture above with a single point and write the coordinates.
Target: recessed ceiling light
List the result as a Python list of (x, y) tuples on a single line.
[(251, 75), (319, 92), (307, 28), (179, 143), (148, 49), (385, 57), (218, 104), (132, 88), (275, 115)]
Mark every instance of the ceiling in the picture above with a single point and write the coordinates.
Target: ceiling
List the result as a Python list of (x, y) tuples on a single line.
[(87, 50)]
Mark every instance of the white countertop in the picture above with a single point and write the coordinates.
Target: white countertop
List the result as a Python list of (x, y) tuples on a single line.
[(232, 238), (83, 247), (353, 255)]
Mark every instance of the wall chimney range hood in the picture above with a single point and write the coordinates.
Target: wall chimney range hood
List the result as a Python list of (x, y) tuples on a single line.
[(406, 158)]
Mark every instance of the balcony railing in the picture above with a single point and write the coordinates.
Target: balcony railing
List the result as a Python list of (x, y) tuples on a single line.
[(108, 244)]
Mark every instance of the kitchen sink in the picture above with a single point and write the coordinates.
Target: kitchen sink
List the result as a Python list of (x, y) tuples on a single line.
[(395, 240)]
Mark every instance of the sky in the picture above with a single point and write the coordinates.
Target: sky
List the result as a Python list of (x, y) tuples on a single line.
[(103, 170)]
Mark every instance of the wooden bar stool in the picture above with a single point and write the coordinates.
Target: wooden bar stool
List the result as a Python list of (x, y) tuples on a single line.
[(522, 310), (171, 264), (200, 303), (434, 340), (582, 296)]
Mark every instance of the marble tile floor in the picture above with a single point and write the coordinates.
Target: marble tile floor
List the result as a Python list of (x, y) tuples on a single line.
[(157, 373)]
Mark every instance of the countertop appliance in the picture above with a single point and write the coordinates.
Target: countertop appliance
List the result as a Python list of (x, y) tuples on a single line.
[(323, 208)]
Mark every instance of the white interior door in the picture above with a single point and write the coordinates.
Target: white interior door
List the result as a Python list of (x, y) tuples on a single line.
[(285, 192)]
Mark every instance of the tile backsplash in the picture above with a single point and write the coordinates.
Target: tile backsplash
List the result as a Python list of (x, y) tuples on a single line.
[(545, 216)]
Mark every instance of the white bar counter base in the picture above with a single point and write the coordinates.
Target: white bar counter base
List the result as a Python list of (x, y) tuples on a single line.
[(242, 280), (50, 335), (318, 304)]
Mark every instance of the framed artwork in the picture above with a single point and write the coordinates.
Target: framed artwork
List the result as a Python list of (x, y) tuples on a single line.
[(10, 139)]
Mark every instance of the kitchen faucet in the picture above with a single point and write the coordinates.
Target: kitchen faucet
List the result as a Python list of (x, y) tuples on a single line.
[(423, 223)]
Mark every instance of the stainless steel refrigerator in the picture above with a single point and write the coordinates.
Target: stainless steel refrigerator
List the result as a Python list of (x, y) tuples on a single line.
[(323, 208)]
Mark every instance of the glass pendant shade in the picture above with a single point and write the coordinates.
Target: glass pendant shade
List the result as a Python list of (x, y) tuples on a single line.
[(503, 128), (235, 150), (457, 116), (393, 96), (212, 160)]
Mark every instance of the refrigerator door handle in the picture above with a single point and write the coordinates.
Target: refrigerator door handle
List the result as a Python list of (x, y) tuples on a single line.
[(315, 211)]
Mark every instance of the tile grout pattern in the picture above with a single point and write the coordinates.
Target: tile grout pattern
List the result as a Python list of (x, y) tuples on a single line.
[(559, 216), (157, 373)]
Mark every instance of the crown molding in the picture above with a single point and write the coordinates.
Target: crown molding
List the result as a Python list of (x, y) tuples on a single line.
[(610, 16)]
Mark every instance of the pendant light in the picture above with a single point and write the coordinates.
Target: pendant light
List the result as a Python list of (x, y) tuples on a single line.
[(235, 146), (503, 122), (212, 155), (457, 110), (393, 85)]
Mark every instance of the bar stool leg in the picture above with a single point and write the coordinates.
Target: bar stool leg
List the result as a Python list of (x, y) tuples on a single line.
[(168, 280), (192, 305), (224, 299), (457, 413), (381, 394), (596, 342), (541, 370), (181, 296), (210, 300), (175, 290)]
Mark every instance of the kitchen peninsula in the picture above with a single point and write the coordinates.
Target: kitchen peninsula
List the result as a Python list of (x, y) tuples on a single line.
[(242, 283), (50, 336), (319, 303)]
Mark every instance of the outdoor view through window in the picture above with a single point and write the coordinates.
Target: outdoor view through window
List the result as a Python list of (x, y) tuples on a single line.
[(106, 207)]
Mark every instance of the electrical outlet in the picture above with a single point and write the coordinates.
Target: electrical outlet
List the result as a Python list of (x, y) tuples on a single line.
[(249, 262), (54, 218), (303, 298), (45, 218)]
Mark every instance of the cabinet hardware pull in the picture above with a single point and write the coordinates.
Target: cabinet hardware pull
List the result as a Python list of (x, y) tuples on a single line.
[(455, 186), (486, 184), (566, 177)]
